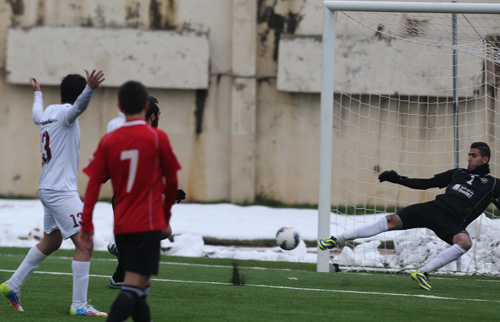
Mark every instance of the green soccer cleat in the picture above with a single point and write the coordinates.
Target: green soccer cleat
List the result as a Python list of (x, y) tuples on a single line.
[(13, 297), (86, 310), (327, 243), (422, 279)]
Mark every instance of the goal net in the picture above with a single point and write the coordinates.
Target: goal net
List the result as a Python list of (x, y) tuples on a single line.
[(412, 91)]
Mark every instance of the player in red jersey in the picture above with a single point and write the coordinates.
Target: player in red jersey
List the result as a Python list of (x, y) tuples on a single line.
[(142, 165), (152, 119)]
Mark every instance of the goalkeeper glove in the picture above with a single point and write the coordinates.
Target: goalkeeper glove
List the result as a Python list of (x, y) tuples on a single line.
[(391, 176), (181, 195)]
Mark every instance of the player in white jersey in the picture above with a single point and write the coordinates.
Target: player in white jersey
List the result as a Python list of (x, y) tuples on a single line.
[(60, 140), (116, 122)]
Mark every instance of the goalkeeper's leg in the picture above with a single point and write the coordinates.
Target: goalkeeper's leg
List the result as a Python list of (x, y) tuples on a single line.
[(445, 257), (367, 230), (461, 244)]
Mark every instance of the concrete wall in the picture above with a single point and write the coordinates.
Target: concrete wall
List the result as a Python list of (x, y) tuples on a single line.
[(237, 82), (160, 59)]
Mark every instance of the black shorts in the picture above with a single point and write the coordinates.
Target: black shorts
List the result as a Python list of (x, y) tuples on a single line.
[(429, 215), (140, 252)]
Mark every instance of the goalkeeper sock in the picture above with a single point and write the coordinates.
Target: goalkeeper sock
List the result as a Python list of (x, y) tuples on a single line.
[(125, 303), (446, 256), (367, 230)]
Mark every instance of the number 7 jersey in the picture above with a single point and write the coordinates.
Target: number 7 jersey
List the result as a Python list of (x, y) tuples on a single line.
[(137, 158)]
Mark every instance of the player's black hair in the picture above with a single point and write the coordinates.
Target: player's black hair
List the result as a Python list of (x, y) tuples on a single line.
[(132, 97), (153, 109), (483, 148), (71, 87)]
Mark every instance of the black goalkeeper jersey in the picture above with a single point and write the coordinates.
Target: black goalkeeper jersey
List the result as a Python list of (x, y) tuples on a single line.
[(467, 194)]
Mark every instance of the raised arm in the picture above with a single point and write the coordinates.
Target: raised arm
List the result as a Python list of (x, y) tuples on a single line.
[(37, 109), (82, 102)]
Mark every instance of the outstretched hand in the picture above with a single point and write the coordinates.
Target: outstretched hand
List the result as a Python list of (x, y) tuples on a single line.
[(94, 79), (35, 84), (391, 176)]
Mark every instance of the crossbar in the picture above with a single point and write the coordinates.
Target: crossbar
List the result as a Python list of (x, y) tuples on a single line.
[(430, 7)]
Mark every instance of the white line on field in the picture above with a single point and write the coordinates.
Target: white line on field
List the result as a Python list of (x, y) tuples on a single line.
[(434, 277), (173, 263), (287, 288)]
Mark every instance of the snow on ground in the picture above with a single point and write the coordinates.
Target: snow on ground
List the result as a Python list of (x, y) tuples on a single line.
[(191, 222)]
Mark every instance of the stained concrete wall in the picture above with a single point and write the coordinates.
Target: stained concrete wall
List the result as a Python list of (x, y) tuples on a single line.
[(160, 59), (239, 130)]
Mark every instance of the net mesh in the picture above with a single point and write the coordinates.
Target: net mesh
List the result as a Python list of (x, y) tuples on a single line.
[(394, 109)]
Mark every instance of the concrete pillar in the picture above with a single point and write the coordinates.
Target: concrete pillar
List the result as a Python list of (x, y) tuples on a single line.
[(243, 101)]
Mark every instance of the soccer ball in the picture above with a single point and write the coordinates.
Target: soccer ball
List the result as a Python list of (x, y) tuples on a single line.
[(287, 238), (36, 234)]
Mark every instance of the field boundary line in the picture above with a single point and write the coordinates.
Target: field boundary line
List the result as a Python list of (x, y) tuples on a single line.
[(285, 288), (174, 263), (434, 277)]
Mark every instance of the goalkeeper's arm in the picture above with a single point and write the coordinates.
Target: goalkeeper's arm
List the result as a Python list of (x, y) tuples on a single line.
[(414, 183)]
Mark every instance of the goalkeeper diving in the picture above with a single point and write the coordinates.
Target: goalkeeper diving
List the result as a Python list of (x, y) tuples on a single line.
[(468, 193)]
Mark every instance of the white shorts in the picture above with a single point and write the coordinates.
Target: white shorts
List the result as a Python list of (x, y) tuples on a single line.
[(62, 211)]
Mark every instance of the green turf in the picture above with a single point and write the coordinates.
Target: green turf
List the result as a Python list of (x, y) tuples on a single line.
[(199, 289)]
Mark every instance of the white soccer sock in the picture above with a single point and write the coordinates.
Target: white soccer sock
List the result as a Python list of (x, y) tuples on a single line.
[(443, 258), (367, 230), (27, 267), (80, 282)]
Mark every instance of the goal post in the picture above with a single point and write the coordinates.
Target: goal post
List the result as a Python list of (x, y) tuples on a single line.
[(394, 107)]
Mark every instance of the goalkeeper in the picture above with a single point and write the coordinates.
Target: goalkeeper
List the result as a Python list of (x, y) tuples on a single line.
[(468, 193)]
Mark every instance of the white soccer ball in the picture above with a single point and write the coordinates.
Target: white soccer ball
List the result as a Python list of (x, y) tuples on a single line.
[(287, 238), (36, 234)]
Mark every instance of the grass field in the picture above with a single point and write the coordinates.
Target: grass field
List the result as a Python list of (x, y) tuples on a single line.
[(200, 289)]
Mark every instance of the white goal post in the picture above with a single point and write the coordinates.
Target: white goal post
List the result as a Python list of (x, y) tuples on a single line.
[(328, 91)]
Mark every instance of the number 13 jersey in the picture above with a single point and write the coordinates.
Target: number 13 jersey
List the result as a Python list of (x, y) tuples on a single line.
[(60, 141)]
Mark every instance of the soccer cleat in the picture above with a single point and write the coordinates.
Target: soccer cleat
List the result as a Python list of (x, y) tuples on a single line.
[(113, 249), (115, 285), (327, 243), (422, 279), (13, 297), (86, 310)]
